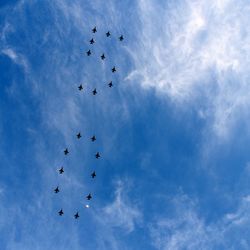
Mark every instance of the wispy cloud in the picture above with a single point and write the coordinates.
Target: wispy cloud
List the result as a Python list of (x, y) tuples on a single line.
[(194, 49), (187, 229)]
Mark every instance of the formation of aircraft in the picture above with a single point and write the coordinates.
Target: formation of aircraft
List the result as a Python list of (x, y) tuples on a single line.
[(78, 135)]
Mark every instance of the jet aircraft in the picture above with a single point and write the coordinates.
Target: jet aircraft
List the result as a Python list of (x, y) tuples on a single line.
[(76, 215), (94, 30), (56, 190), (102, 56), (60, 212), (89, 197), (61, 170), (88, 52), (66, 151), (93, 175)]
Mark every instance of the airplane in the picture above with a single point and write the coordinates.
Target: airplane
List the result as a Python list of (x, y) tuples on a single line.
[(102, 56), (80, 87), (108, 34), (93, 138), (88, 52), (89, 196), (114, 69), (94, 92), (97, 155), (60, 212), (110, 84), (92, 41), (61, 170), (121, 38), (93, 175), (56, 190), (66, 151), (94, 30), (76, 215), (79, 135)]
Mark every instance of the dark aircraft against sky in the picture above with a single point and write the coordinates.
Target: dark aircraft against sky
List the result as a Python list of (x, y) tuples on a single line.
[(102, 56), (93, 175), (93, 138), (56, 190), (80, 87), (79, 135), (61, 170), (88, 52)]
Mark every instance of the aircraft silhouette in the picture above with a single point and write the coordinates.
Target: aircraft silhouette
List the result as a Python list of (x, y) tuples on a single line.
[(108, 34), (61, 170), (97, 155), (56, 190), (114, 69), (66, 151), (121, 38), (89, 196), (102, 56), (79, 135), (94, 30), (93, 138), (76, 215), (88, 52), (60, 212), (80, 87), (94, 92), (92, 41), (110, 84), (93, 175)]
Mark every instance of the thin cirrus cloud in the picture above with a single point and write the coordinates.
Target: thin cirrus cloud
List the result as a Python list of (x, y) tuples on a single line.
[(196, 48), (187, 229)]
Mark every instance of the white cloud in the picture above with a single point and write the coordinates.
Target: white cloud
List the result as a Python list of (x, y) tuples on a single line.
[(191, 48), (17, 58), (186, 229), (121, 213)]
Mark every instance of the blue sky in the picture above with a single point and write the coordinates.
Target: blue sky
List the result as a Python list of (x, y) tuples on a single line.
[(173, 132)]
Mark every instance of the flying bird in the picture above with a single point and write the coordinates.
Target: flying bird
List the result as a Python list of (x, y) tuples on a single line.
[(79, 135), (113, 69), (102, 56), (89, 197), (60, 212), (80, 87), (121, 38), (94, 92), (56, 190), (97, 155), (108, 34), (66, 151), (76, 215), (93, 138), (61, 171), (110, 84), (88, 52), (94, 30), (93, 175), (92, 41)]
